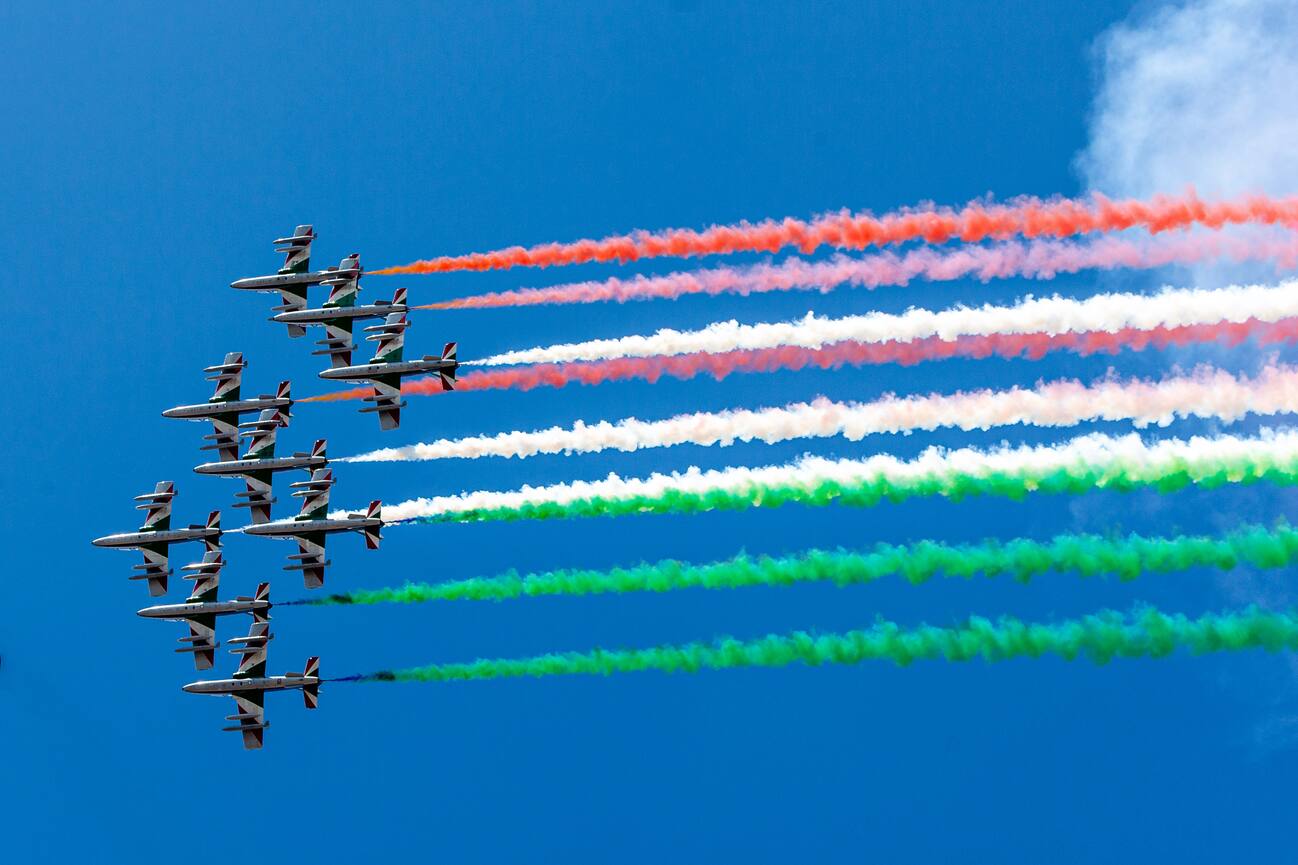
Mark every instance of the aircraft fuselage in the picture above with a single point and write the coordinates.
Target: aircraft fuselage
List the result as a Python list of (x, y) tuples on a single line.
[(208, 410), (368, 371), (259, 683), (287, 280), (293, 528), (181, 612), (275, 464), (323, 314), (148, 539)]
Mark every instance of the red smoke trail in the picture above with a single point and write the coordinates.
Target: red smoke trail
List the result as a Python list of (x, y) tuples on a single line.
[(1040, 259), (1026, 217), (687, 366)]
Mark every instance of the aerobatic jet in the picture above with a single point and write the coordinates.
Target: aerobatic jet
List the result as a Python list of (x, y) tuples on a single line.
[(202, 607), (313, 525), (386, 369), (337, 315), (225, 407), (259, 464), (295, 277), (155, 537), (250, 683)]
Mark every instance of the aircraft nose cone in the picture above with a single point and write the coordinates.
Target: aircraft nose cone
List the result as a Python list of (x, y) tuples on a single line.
[(190, 688), (99, 542)]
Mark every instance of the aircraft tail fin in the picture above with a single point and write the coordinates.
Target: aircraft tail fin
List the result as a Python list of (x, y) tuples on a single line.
[(213, 542), (285, 391), (262, 594), (373, 534), (311, 693), (447, 373)]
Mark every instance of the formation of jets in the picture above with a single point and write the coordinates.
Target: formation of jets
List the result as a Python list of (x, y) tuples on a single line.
[(257, 467)]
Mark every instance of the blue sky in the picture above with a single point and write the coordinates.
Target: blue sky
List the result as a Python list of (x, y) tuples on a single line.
[(153, 151)]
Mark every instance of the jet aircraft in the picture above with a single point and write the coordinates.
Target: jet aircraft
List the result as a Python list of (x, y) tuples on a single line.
[(249, 684), (313, 525), (259, 464), (386, 369), (225, 407), (337, 315), (155, 537), (295, 277), (202, 607)]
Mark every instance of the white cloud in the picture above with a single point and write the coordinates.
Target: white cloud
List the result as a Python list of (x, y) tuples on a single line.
[(1201, 94)]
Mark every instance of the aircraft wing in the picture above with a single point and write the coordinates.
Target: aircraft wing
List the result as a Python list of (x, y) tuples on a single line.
[(310, 560), (201, 640), (337, 342), (251, 716), (257, 497), (154, 569), (387, 402), (293, 301), (224, 439)]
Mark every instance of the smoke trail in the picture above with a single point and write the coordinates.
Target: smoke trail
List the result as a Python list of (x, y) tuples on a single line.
[(1207, 393), (1028, 217), (1082, 464), (1100, 637), (1049, 315), (1032, 346), (1020, 558), (1040, 259)]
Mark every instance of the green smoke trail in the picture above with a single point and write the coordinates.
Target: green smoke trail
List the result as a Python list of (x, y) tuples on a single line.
[(1073, 479), (1099, 637), (1022, 559)]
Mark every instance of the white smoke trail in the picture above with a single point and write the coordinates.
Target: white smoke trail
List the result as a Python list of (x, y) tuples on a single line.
[(1094, 460), (1050, 315), (1206, 393)]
